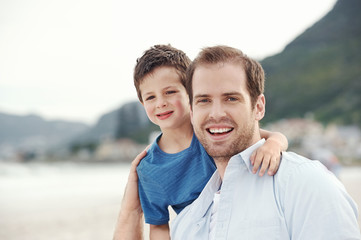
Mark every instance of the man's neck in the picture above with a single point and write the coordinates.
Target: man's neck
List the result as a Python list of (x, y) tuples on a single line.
[(221, 164)]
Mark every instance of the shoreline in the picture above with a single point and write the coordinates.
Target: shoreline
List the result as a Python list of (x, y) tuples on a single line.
[(79, 201)]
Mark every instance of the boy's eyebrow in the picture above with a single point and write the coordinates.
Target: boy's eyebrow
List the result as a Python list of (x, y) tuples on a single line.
[(168, 87), (165, 88), (148, 93)]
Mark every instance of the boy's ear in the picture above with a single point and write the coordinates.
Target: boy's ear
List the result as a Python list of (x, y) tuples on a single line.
[(260, 107)]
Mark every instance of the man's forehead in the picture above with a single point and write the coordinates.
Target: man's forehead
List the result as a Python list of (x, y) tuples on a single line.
[(219, 76)]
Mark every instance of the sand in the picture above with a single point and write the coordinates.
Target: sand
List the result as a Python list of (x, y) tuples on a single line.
[(76, 202)]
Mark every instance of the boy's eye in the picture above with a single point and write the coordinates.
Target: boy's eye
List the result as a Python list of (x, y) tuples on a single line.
[(149, 98), (170, 92)]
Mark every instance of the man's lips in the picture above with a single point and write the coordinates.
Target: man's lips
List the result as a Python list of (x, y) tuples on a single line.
[(164, 115), (222, 130), (219, 133)]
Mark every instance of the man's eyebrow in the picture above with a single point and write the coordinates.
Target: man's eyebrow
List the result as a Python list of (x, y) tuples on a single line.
[(201, 96), (238, 94)]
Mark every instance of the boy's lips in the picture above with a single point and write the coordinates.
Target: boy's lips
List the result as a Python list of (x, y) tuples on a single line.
[(164, 115)]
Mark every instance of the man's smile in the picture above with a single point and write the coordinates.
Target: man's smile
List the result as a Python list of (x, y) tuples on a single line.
[(219, 130)]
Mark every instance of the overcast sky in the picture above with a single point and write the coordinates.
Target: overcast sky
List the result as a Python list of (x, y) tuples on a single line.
[(73, 59)]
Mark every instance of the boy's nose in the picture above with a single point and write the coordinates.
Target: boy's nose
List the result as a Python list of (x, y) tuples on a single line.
[(161, 103)]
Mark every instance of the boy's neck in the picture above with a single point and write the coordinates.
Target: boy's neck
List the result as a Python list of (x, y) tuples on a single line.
[(176, 140)]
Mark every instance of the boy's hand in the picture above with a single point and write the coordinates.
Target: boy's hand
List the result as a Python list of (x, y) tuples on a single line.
[(269, 155), (131, 200), (130, 221)]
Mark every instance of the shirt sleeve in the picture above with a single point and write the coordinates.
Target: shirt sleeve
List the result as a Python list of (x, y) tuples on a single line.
[(317, 206), (153, 199)]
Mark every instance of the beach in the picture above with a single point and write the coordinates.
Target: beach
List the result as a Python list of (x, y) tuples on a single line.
[(68, 201)]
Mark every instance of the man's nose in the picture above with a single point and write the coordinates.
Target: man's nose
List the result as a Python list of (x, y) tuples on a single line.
[(217, 110)]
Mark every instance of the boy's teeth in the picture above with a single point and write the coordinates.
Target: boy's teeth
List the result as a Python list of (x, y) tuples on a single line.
[(219, 130)]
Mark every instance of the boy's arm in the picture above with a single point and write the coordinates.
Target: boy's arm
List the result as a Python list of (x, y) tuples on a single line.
[(159, 232), (130, 222), (269, 155)]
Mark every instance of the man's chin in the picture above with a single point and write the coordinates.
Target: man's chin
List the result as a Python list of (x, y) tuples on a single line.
[(218, 151)]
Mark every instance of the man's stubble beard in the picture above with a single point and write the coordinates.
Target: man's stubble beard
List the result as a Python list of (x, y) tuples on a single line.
[(242, 141)]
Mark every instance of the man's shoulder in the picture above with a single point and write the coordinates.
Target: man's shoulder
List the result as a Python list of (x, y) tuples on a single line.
[(305, 175), (292, 160), (299, 168)]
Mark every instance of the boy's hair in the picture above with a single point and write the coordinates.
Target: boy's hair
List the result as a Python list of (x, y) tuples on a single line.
[(159, 56), (224, 54)]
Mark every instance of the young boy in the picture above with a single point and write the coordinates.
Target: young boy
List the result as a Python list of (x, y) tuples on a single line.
[(176, 167)]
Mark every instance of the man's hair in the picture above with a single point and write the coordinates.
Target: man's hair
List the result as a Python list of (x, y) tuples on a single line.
[(159, 56), (224, 54)]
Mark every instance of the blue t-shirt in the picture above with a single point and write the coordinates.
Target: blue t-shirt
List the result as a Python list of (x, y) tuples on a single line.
[(172, 179)]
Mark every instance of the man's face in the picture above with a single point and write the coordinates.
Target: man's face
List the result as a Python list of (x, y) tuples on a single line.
[(222, 116)]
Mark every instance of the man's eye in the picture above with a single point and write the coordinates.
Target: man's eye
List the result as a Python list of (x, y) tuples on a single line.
[(232, 99), (203, 100)]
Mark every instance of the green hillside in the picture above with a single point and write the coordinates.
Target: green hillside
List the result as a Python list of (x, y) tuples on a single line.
[(320, 71)]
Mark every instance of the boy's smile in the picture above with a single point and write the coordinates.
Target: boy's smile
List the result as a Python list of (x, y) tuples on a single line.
[(164, 115)]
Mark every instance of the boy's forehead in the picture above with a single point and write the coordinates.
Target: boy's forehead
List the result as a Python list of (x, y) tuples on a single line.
[(160, 77), (161, 70)]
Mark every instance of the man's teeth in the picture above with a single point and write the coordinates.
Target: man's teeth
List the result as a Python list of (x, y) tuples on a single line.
[(219, 130)]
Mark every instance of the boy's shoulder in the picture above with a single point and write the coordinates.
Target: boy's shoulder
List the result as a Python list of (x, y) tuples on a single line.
[(159, 161), (155, 152)]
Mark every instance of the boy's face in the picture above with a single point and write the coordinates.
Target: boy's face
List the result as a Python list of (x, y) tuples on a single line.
[(165, 99)]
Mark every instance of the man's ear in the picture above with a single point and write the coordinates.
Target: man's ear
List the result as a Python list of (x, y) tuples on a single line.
[(260, 107)]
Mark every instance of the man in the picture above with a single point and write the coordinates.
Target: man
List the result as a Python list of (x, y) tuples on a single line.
[(302, 201)]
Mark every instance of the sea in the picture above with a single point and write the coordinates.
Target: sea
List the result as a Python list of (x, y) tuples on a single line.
[(60, 200), (77, 201)]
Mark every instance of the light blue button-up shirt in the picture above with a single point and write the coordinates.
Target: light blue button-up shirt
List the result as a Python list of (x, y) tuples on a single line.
[(302, 201)]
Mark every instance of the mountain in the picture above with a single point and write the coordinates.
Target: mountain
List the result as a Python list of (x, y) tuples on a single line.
[(35, 133), (128, 121), (319, 73), (133, 123)]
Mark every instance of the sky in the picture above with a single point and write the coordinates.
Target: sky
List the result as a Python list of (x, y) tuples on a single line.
[(73, 59)]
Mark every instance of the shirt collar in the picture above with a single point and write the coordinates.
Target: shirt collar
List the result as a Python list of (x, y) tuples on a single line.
[(246, 154), (200, 206)]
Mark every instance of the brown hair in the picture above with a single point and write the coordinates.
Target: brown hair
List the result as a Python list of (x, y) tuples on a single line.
[(158, 56), (225, 54)]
